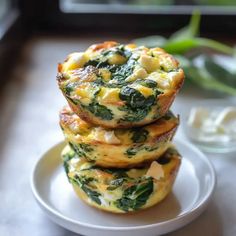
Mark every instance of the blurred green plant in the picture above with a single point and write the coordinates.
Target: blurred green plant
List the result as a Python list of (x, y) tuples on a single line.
[(200, 67)]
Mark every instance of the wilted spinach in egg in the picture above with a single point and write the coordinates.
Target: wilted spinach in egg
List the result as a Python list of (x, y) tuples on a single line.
[(99, 110), (136, 195)]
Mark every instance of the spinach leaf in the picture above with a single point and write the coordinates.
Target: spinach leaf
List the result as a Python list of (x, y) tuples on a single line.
[(132, 96), (121, 72), (134, 197), (98, 63), (135, 99), (134, 115), (139, 135), (82, 149), (99, 110), (83, 182), (66, 158), (147, 83), (92, 194)]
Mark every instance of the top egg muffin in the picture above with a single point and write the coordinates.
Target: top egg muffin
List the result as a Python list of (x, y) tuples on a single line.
[(116, 86)]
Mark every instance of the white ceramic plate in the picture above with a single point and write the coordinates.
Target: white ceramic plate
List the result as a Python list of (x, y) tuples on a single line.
[(190, 195)]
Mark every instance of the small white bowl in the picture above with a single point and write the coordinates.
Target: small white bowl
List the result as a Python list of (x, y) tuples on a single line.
[(208, 143)]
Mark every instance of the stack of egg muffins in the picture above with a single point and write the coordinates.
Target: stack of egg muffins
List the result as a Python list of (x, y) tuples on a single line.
[(118, 125)]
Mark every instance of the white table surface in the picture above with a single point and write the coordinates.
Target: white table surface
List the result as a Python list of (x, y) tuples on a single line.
[(29, 126)]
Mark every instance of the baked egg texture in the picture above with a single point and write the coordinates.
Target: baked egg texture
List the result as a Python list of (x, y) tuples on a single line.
[(114, 85), (122, 190)]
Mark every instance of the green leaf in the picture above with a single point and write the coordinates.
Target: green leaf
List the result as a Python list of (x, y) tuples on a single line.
[(202, 77), (215, 45), (219, 72), (181, 47)]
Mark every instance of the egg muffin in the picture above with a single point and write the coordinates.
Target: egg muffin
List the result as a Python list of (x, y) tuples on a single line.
[(114, 85), (122, 190), (118, 147)]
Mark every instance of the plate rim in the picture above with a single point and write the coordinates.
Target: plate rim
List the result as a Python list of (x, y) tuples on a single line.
[(197, 208)]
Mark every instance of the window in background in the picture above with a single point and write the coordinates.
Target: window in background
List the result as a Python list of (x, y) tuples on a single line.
[(148, 6)]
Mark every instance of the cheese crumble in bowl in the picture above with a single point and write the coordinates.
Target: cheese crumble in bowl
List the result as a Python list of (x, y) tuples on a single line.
[(114, 85), (119, 148), (211, 124), (122, 190)]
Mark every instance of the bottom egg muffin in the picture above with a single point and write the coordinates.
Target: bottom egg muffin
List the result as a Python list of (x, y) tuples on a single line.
[(122, 190)]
